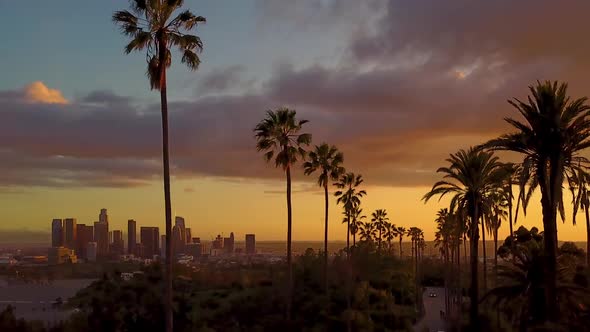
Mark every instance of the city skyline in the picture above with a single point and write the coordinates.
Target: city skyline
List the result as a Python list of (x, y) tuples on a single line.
[(357, 85)]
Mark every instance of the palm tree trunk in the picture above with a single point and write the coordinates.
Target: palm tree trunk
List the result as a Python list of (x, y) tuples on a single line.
[(354, 239), (474, 289), (510, 206), (459, 288), (289, 257), (326, 238), (167, 200), (587, 235), (549, 199), (379, 243), (485, 263), (465, 248), (349, 276), (400, 246)]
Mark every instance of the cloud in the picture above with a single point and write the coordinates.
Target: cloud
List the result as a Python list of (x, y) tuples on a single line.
[(420, 82), (38, 92)]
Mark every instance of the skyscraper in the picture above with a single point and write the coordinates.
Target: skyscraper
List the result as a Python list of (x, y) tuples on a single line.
[(57, 234), (84, 235), (149, 240), (188, 236), (103, 216), (131, 235), (101, 237), (70, 233), (163, 246), (118, 247), (228, 244), (179, 236), (250, 244)]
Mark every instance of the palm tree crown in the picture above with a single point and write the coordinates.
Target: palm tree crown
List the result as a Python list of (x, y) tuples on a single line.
[(328, 160), (278, 135), (152, 26)]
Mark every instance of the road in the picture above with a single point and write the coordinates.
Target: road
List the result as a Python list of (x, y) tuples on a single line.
[(432, 306)]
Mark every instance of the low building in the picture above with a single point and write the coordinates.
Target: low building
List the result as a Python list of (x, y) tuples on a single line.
[(91, 251), (61, 255)]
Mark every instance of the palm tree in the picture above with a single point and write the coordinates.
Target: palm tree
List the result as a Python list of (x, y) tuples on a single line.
[(578, 183), (328, 160), (368, 231), (470, 176), (155, 27), (556, 129), (356, 218), (401, 231), (278, 136), (350, 197), (495, 217), (390, 234), (379, 218)]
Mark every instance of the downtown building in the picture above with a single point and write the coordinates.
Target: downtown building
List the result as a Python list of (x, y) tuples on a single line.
[(250, 244), (70, 233), (57, 233), (131, 236), (84, 235), (149, 237)]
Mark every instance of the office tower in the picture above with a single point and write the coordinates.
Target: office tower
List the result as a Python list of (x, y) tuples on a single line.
[(163, 246), (110, 237), (101, 237), (84, 235), (178, 236), (217, 243), (57, 233), (194, 249), (131, 236), (228, 244), (188, 235), (91, 248), (149, 239), (118, 247), (250, 244), (70, 233), (103, 216)]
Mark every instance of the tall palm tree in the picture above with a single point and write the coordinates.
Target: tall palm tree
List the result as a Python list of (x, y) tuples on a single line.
[(379, 218), (495, 217), (328, 161), (578, 183), (279, 136), (356, 218), (349, 196), (156, 26), (470, 176), (401, 231), (556, 129), (390, 234)]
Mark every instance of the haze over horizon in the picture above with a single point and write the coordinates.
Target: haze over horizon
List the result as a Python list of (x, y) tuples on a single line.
[(396, 88)]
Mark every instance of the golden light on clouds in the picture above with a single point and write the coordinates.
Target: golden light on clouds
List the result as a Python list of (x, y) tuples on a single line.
[(38, 92)]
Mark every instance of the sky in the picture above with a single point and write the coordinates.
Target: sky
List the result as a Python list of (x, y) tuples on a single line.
[(396, 85)]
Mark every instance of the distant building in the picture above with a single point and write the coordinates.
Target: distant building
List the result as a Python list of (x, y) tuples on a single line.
[(188, 236), (91, 251), (70, 233), (61, 255), (217, 243), (101, 237), (118, 246), (103, 216), (57, 233), (84, 235), (194, 249), (163, 246), (196, 240), (149, 240), (131, 235), (228, 244), (250, 244), (178, 236)]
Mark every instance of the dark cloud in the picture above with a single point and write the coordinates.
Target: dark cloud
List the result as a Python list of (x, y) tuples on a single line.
[(428, 78)]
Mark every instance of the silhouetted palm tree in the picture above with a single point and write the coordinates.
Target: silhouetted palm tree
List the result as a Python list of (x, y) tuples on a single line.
[(401, 231), (555, 130), (356, 218), (379, 218), (368, 231), (279, 136), (470, 176), (390, 234), (328, 160), (349, 196), (578, 183), (155, 27)]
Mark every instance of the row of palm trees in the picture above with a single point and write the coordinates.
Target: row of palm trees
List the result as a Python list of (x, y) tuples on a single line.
[(555, 130)]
